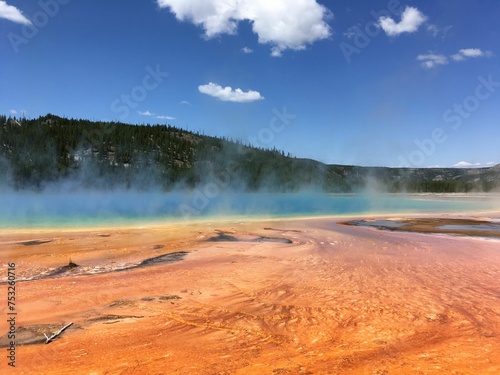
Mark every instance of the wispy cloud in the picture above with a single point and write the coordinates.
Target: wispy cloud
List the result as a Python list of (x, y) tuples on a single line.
[(229, 94), (431, 60), (185, 102), (411, 19), (352, 32), (282, 24), (467, 53), (437, 31), (160, 117), (246, 50), (21, 112), (433, 29), (13, 14)]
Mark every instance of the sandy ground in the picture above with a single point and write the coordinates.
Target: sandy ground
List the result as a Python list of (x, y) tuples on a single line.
[(336, 300)]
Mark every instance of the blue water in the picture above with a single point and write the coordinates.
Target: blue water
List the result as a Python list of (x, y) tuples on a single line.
[(88, 209)]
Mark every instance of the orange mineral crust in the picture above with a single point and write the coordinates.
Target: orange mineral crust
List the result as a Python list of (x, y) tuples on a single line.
[(297, 296)]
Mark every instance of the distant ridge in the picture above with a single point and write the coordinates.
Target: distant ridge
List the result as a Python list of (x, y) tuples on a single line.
[(52, 150)]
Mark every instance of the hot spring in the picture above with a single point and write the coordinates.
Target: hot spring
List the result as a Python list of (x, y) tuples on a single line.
[(94, 209)]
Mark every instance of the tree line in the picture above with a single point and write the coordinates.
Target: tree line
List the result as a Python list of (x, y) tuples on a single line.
[(35, 153)]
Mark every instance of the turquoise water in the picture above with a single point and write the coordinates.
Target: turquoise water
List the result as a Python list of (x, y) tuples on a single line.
[(88, 209)]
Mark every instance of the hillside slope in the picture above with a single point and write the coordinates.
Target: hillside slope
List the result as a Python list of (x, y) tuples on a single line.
[(51, 150)]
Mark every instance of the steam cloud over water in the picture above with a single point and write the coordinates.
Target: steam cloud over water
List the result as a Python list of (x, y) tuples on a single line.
[(94, 208), (56, 172)]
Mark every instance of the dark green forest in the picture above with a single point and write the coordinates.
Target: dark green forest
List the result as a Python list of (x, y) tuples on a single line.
[(50, 150)]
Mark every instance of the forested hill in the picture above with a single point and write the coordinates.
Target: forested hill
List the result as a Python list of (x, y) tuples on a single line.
[(51, 150)]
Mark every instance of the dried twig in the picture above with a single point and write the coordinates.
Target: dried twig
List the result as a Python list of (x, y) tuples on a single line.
[(49, 339)]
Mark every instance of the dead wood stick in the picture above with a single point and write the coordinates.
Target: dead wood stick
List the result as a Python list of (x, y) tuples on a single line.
[(49, 339)]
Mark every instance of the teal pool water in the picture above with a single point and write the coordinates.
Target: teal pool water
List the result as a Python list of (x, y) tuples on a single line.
[(88, 209)]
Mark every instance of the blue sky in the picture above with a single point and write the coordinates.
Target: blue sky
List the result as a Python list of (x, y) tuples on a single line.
[(379, 83)]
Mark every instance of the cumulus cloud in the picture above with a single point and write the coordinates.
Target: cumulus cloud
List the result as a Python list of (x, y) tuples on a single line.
[(160, 117), (280, 23), (431, 60), (466, 53), (411, 19), (246, 50), (13, 14), (228, 94)]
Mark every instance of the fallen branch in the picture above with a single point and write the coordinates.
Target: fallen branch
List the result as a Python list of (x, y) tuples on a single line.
[(49, 339)]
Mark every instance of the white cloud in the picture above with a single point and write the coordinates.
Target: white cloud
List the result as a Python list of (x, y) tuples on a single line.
[(430, 60), (466, 164), (13, 14), (472, 52), (228, 94), (161, 117), (280, 23), (466, 53), (21, 112), (411, 19), (185, 102), (246, 50)]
